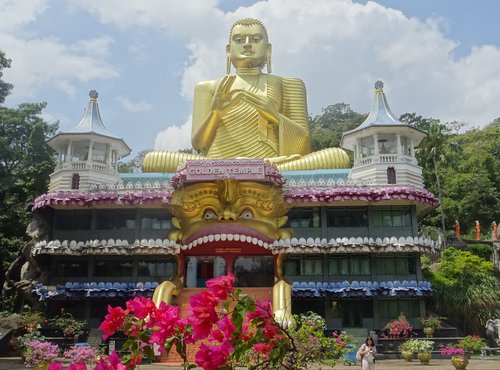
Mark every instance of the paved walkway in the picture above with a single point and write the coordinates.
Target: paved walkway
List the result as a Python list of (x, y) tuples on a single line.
[(15, 363)]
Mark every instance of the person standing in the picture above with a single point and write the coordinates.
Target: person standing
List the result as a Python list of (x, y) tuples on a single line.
[(367, 353)]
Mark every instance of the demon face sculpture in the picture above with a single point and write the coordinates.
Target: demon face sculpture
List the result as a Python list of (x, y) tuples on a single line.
[(241, 210)]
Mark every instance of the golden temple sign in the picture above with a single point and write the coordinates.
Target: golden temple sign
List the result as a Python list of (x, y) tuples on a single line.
[(238, 169)]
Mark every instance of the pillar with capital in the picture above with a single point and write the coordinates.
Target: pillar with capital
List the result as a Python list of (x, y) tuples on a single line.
[(478, 230)]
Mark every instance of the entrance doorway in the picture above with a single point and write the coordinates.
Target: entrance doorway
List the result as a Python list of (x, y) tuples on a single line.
[(199, 269)]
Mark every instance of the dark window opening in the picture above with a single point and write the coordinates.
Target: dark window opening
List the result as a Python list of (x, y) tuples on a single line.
[(75, 181), (391, 175), (392, 216), (71, 220), (116, 220), (158, 270), (303, 266), (120, 268), (70, 268), (306, 217), (349, 265), (347, 217)]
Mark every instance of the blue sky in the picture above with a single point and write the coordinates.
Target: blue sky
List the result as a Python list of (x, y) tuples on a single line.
[(437, 58)]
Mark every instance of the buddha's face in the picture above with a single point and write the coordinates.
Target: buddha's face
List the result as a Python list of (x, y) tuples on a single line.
[(248, 46)]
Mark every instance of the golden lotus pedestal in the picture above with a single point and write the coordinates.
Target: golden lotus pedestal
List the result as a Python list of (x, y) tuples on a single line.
[(460, 362)]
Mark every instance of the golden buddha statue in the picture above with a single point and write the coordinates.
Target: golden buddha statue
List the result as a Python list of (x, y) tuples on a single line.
[(251, 114)]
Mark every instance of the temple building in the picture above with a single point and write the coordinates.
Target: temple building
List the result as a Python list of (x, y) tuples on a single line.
[(301, 228), (349, 247)]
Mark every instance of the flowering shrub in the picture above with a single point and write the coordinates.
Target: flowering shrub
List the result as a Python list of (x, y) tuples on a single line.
[(23, 341), (418, 345), (67, 323), (38, 352), (31, 320), (451, 350), (311, 344), (472, 343), (397, 329), (233, 329), (431, 321), (81, 354)]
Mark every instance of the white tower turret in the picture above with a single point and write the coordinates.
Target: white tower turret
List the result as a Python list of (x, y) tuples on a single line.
[(384, 147), (88, 153)]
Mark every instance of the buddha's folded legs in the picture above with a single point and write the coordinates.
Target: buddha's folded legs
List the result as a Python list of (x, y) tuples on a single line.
[(162, 161), (322, 159)]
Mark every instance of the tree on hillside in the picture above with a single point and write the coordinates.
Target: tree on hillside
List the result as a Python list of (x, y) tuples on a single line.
[(472, 176), (135, 164), (4, 86), (25, 164), (467, 292), (327, 127)]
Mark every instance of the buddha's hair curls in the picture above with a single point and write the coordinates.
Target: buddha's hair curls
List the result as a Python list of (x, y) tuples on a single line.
[(248, 22)]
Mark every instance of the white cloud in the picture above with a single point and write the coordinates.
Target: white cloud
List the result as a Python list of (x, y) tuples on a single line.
[(17, 13), (340, 49), (41, 62), (134, 106), (174, 137)]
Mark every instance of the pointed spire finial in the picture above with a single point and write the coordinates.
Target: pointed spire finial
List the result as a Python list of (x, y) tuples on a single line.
[(379, 86), (93, 95)]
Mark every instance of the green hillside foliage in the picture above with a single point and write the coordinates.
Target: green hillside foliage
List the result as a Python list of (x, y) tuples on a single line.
[(467, 292), (26, 162)]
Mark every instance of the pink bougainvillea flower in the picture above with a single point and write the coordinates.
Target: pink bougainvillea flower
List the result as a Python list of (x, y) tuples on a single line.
[(165, 319), (112, 321), (212, 357), (221, 286), (202, 313), (111, 362), (262, 309), (263, 348), (77, 367), (55, 366), (141, 307)]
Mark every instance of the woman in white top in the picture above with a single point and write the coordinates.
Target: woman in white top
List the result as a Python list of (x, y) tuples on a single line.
[(367, 352)]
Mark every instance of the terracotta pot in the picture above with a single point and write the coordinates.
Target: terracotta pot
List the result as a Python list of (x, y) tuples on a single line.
[(424, 357), (460, 362), (407, 355), (429, 331)]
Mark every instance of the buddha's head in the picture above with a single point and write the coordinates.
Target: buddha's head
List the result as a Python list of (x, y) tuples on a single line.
[(248, 45)]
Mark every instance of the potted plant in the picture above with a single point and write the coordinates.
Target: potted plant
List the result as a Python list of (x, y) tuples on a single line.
[(472, 343), (423, 349), (67, 324), (81, 354), (397, 329), (22, 342), (458, 358), (407, 351), (430, 323), (41, 354), (31, 320)]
